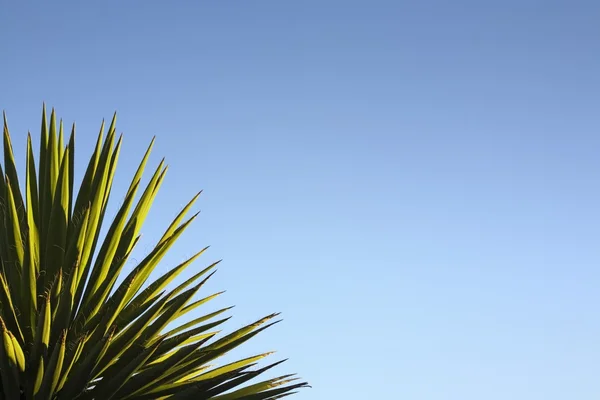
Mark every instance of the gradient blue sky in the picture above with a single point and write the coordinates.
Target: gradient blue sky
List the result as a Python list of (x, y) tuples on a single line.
[(415, 185)]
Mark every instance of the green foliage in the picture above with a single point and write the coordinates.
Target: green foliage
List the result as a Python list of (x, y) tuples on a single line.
[(68, 330)]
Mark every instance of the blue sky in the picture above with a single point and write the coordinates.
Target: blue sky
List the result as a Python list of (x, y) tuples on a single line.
[(415, 185)]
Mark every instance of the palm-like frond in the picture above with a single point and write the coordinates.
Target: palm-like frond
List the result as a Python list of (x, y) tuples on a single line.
[(69, 330)]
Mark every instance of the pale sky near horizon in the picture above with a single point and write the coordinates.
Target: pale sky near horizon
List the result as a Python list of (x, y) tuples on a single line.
[(414, 184)]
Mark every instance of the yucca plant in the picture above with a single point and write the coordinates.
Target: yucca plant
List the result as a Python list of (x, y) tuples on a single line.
[(75, 323)]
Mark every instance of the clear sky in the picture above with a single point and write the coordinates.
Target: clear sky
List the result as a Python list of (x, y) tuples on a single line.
[(415, 185)]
